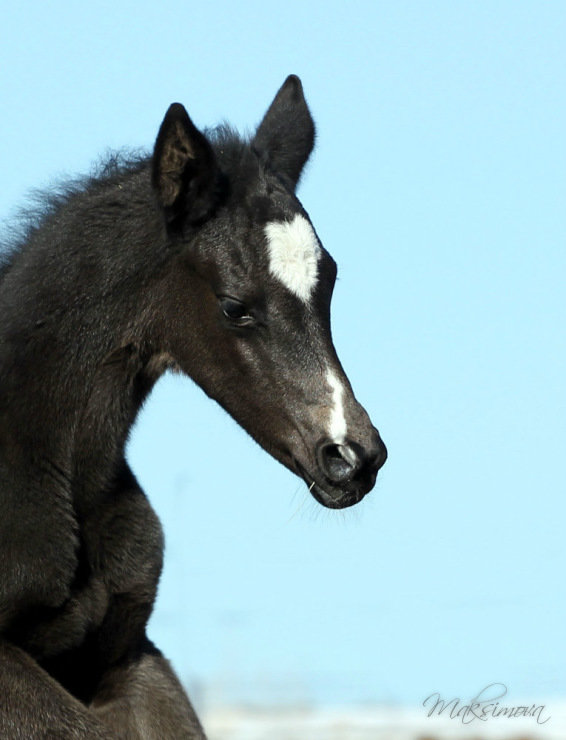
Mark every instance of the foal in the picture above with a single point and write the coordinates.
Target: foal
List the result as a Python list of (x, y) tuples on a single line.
[(199, 258)]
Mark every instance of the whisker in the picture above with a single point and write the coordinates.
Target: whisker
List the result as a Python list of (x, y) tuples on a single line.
[(299, 507)]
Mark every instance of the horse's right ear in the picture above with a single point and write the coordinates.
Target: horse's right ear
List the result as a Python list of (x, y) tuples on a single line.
[(183, 168), (285, 137)]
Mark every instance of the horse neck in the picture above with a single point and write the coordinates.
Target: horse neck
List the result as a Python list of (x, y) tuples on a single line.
[(75, 360)]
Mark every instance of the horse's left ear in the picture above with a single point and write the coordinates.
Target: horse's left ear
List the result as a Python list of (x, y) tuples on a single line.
[(183, 168), (286, 134)]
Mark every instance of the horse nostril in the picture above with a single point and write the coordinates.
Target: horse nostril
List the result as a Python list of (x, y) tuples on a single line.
[(349, 455), (348, 464), (340, 462)]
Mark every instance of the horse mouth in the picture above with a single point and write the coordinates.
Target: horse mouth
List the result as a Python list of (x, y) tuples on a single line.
[(328, 495)]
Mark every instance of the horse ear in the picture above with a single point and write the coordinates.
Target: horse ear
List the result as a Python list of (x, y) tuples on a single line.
[(286, 134), (183, 168)]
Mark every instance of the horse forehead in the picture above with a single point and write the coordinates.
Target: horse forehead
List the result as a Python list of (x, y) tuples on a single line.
[(294, 253)]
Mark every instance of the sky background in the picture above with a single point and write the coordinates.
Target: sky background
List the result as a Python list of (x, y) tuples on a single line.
[(438, 184)]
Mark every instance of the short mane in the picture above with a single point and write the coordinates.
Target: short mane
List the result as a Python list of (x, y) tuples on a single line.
[(113, 167), (44, 203)]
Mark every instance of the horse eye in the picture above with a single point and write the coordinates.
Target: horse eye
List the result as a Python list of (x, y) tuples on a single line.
[(235, 311)]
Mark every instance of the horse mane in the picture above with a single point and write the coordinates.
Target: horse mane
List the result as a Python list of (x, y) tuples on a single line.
[(230, 148), (43, 204)]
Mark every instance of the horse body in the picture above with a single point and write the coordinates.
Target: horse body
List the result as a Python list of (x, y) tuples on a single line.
[(199, 259)]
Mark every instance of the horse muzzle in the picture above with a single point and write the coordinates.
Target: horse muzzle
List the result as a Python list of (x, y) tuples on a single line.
[(344, 472)]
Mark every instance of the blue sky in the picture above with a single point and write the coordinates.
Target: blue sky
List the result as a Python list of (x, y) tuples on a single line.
[(438, 184)]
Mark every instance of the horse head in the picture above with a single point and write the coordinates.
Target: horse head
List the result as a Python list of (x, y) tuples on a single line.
[(249, 294)]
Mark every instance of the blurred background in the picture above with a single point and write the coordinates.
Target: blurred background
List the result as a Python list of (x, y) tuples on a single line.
[(438, 184)]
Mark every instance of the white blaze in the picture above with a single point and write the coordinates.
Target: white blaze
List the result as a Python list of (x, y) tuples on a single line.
[(294, 252), (337, 428)]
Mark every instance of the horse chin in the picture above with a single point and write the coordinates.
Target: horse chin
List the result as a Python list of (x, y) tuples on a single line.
[(330, 496), (336, 499)]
